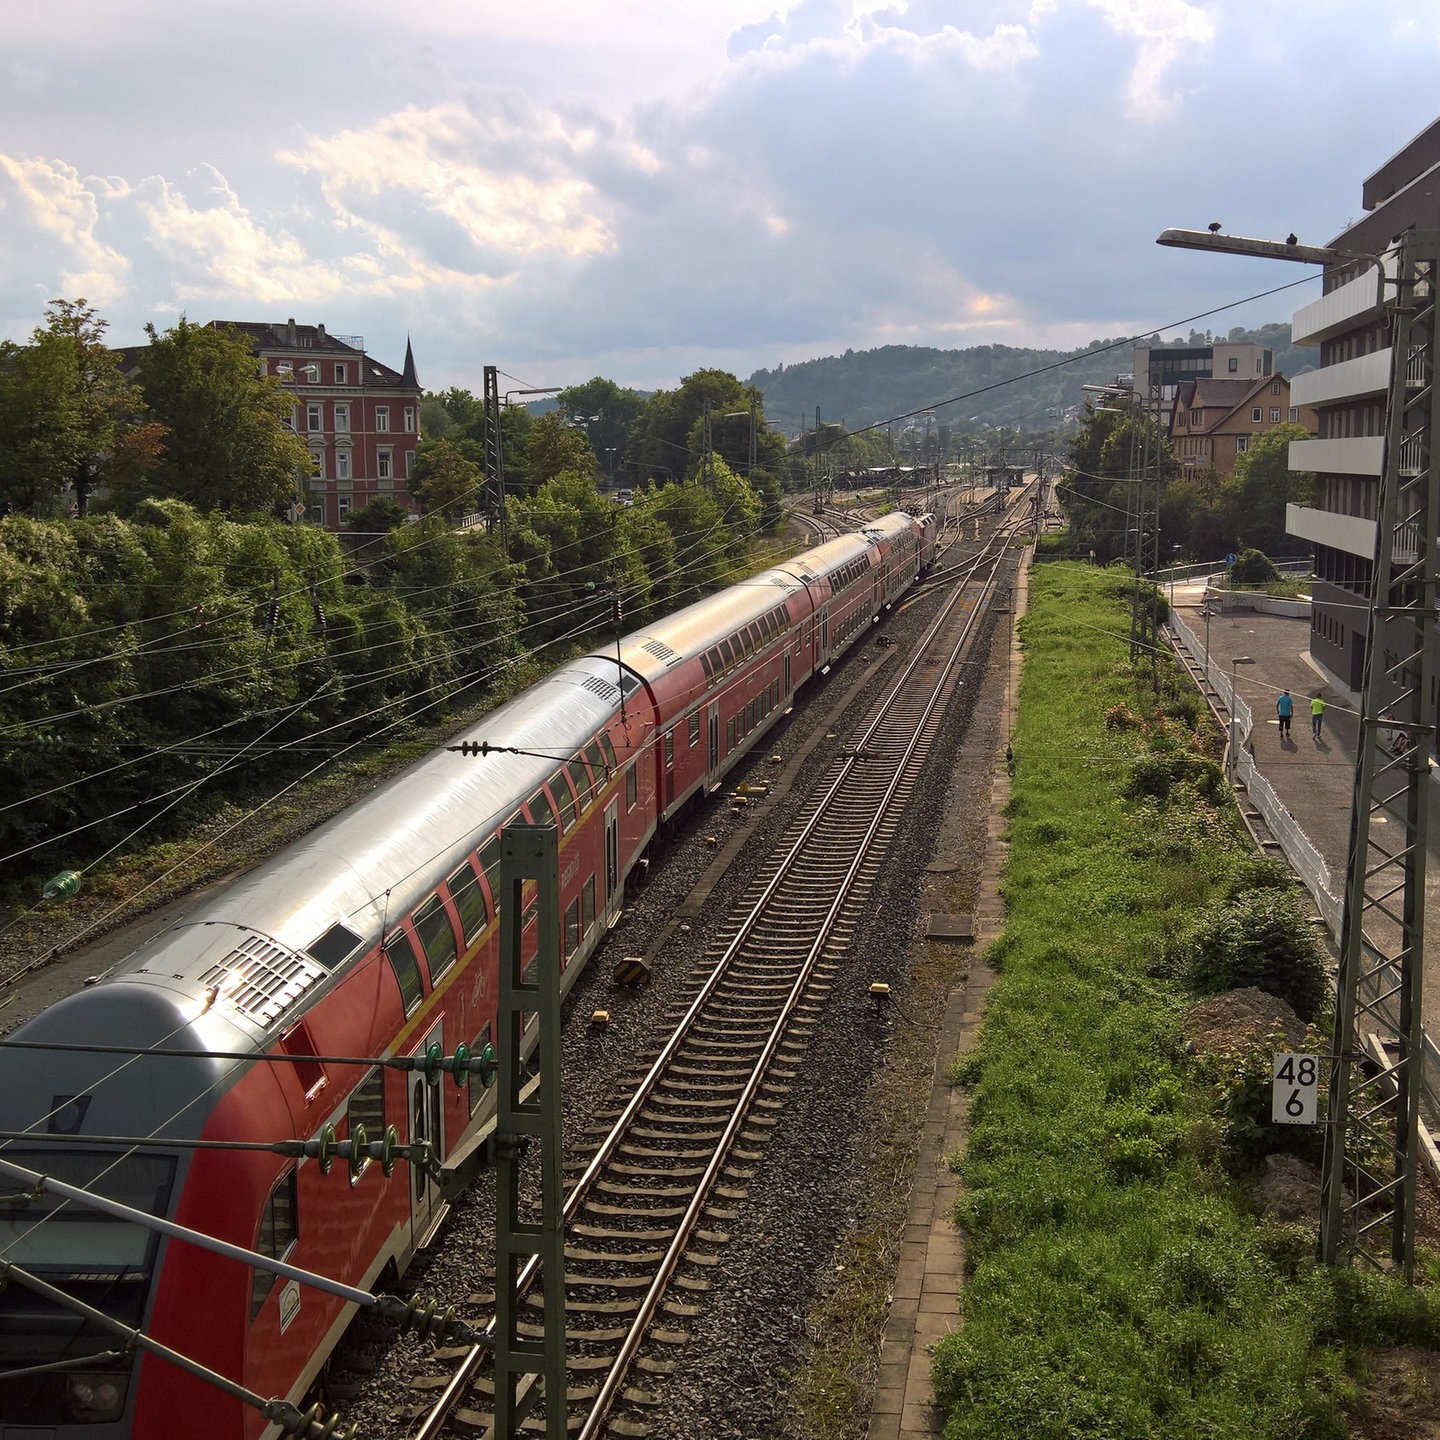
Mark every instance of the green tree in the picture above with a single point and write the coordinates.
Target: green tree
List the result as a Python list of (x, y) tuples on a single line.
[(609, 412), (381, 514), (229, 445), (445, 480), (1265, 484), (555, 447)]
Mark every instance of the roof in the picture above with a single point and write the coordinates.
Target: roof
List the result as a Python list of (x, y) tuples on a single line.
[(287, 338), (1225, 396)]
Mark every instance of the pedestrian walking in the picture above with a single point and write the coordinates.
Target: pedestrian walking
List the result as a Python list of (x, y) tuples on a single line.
[(1317, 715), (1284, 709)]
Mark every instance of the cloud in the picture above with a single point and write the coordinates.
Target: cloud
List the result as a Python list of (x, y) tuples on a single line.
[(51, 219), (451, 191), (1165, 31)]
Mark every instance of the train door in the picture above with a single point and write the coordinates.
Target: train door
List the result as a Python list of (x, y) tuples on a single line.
[(612, 853), (788, 691), (824, 634), (427, 1122), (712, 722)]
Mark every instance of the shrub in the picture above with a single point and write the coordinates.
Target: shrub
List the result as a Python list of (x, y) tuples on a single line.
[(1251, 567), (1261, 938)]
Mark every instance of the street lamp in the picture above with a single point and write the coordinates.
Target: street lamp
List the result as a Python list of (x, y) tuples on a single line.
[(1235, 664)]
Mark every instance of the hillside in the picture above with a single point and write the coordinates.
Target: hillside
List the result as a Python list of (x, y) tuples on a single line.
[(864, 387)]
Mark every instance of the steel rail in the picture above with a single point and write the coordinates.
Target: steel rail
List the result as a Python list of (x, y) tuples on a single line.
[(450, 1397)]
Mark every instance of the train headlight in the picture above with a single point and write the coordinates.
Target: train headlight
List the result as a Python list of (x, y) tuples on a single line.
[(95, 1398)]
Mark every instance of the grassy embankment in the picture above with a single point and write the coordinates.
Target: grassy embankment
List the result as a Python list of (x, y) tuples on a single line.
[(1120, 1284)]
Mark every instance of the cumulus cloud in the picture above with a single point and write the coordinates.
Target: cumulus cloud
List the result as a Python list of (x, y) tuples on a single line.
[(452, 191), (1164, 31), (52, 219)]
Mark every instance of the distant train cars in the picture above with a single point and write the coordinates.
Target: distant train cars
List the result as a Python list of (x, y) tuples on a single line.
[(374, 936)]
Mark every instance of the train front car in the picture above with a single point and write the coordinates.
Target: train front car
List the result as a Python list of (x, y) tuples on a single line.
[(70, 1105)]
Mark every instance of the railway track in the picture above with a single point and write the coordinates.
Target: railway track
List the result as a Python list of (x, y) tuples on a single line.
[(647, 1212)]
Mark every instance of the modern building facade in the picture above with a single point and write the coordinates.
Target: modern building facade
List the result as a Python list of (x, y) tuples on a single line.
[(1169, 366), (360, 419), (1213, 422), (1351, 325)]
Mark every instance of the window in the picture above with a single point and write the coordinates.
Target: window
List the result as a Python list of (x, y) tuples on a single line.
[(341, 376), (581, 777), (469, 901), (342, 419), (1274, 416), (1196, 416), (1274, 387), (1294, 414), (1242, 444), (631, 788), (342, 464), (401, 955), (695, 727), (409, 419), (564, 802), (437, 936), (384, 463), (409, 463), (279, 1230), (490, 864), (572, 928), (342, 508), (313, 419), (587, 897), (366, 1107), (1234, 364), (1257, 414), (317, 465), (540, 811), (382, 419)]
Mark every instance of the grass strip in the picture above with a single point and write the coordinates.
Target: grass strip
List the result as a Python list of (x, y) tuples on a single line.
[(1118, 1284)]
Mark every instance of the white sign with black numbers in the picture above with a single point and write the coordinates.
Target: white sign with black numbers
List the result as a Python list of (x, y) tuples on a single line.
[(1297, 1083)]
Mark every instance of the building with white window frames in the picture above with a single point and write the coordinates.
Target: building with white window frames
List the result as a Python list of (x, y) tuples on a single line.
[(360, 418), (1351, 325)]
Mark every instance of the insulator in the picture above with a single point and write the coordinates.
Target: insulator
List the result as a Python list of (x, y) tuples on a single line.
[(358, 1152), (63, 886), (433, 1065)]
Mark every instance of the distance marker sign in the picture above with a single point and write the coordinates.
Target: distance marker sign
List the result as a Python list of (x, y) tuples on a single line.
[(1297, 1084)]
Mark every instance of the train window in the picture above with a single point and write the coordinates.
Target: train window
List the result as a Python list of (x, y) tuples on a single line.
[(631, 788), (598, 768), (474, 1088), (611, 764), (298, 1043), (694, 727), (581, 778), (401, 955), (757, 635), (541, 812), (564, 801), (490, 864), (279, 1230), (572, 928), (717, 663), (728, 655), (707, 667), (746, 642), (469, 901), (335, 945), (366, 1107), (437, 936), (587, 912), (669, 749)]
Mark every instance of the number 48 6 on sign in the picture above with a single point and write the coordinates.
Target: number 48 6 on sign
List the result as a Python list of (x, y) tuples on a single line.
[(1297, 1083)]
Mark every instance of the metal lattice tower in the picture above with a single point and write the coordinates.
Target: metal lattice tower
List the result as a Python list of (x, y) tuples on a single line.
[(494, 457), (1372, 1143)]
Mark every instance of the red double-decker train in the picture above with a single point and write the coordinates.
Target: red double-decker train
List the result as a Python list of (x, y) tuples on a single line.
[(374, 936)]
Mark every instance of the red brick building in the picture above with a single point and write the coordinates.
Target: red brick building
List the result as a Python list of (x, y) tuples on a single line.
[(361, 419)]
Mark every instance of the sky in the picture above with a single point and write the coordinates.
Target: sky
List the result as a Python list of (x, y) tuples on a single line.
[(638, 189)]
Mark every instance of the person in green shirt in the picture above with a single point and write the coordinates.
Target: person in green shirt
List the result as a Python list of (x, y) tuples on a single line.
[(1317, 715)]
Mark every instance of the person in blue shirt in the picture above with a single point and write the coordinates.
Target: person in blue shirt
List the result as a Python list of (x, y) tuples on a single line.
[(1284, 709)]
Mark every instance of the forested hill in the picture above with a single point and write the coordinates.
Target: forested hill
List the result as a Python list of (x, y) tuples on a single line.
[(862, 387)]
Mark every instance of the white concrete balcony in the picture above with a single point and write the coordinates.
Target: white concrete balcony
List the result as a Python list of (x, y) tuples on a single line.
[(1359, 379), (1358, 455), (1350, 533), (1342, 309)]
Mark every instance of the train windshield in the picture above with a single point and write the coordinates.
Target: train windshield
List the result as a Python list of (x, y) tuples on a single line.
[(54, 1237)]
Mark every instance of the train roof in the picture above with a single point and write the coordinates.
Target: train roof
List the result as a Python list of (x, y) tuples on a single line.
[(272, 936)]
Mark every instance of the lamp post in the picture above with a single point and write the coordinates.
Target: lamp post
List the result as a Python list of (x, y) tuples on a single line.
[(1235, 664)]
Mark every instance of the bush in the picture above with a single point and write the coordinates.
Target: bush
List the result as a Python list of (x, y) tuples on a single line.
[(1260, 938), (1251, 567)]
